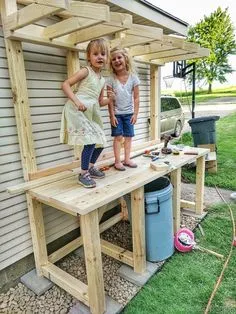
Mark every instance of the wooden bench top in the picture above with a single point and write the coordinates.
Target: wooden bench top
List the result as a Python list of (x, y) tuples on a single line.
[(67, 195)]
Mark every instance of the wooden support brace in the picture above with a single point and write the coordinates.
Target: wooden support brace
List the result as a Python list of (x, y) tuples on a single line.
[(117, 252), (67, 282)]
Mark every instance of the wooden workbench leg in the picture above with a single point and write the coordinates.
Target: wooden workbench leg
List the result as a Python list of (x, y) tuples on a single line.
[(93, 261), (200, 180), (176, 182), (37, 233), (138, 230)]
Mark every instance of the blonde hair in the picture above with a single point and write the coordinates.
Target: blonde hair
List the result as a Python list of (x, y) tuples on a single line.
[(99, 44), (128, 59)]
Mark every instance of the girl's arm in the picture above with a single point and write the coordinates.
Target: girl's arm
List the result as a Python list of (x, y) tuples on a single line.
[(110, 97), (66, 87), (136, 104), (113, 119)]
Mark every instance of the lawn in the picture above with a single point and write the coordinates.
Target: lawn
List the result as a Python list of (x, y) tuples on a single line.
[(226, 155), (186, 280), (203, 96)]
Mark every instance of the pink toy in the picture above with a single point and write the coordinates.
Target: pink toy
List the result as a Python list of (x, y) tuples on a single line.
[(184, 240)]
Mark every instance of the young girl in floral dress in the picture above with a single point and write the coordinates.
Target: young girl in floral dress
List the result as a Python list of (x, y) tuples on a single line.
[(124, 110), (81, 119)]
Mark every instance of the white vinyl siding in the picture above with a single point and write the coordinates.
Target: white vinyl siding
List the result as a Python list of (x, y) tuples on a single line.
[(45, 71)]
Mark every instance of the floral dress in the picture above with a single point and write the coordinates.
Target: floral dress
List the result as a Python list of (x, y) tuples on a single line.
[(83, 128)]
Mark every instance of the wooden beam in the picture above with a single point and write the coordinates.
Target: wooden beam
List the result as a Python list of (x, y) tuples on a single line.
[(35, 212), (129, 41), (174, 41), (28, 15), (35, 34), (138, 230), (150, 48), (188, 204), (145, 31), (176, 182), (64, 4), (93, 260), (155, 101), (200, 179), (68, 26), (202, 52), (89, 10), (67, 282), (117, 252), (119, 22), (76, 243), (20, 99)]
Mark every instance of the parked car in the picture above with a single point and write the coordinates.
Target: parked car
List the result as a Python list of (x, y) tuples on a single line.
[(172, 116)]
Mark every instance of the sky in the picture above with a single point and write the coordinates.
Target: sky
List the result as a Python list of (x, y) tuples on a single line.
[(192, 12)]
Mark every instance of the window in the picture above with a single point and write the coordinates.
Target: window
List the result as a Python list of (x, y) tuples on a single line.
[(169, 104)]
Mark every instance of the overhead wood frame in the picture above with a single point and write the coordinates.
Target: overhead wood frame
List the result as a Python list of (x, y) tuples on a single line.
[(78, 22)]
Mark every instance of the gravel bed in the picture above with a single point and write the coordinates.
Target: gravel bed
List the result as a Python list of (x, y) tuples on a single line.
[(22, 300)]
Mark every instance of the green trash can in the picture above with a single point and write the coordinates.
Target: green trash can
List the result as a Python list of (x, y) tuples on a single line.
[(203, 130)]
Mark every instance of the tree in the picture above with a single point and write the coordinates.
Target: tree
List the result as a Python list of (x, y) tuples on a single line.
[(216, 33)]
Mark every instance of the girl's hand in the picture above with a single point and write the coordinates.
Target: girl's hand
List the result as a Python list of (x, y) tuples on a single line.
[(133, 119), (111, 94), (114, 121), (81, 107)]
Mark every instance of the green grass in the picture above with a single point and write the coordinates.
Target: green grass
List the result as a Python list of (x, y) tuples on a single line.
[(186, 281), (226, 155), (203, 96)]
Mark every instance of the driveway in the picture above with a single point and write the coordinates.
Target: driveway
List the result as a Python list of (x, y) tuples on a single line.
[(217, 107)]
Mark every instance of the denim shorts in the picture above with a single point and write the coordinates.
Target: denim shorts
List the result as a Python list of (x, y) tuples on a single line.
[(124, 127)]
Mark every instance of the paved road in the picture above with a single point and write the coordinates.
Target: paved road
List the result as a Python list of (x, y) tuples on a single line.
[(213, 109)]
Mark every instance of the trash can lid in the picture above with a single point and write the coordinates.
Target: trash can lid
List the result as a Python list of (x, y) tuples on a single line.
[(203, 119)]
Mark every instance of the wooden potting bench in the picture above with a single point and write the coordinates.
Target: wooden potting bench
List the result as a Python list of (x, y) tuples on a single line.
[(67, 195)]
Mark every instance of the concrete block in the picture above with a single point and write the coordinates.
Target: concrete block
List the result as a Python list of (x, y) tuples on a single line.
[(112, 307), (128, 273), (193, 214), (39, 285)]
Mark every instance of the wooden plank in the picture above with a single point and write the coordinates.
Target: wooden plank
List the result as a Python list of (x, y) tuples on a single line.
[(176, 182), (67, 282), (64, 4), (188, 204), (35, 34), (76, 243), (117, 252), (113, 186), (97, 11), (119, 22), (150, 48), (37, 233), (155, 90), (145, 31), (138, 230), (203, 52), (200, 179), (20, 96), (68, 26), (130, 40), (93, 261), (28, 15)]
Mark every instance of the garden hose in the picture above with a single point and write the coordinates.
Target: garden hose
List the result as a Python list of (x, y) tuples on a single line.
[(217, 284)]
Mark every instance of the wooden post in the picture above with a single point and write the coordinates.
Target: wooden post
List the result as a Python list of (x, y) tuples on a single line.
[(155, 90), (73, 65), (93, 259), (200, 180), (38, 234), (20, 95), (138, 230), (176, 182)]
